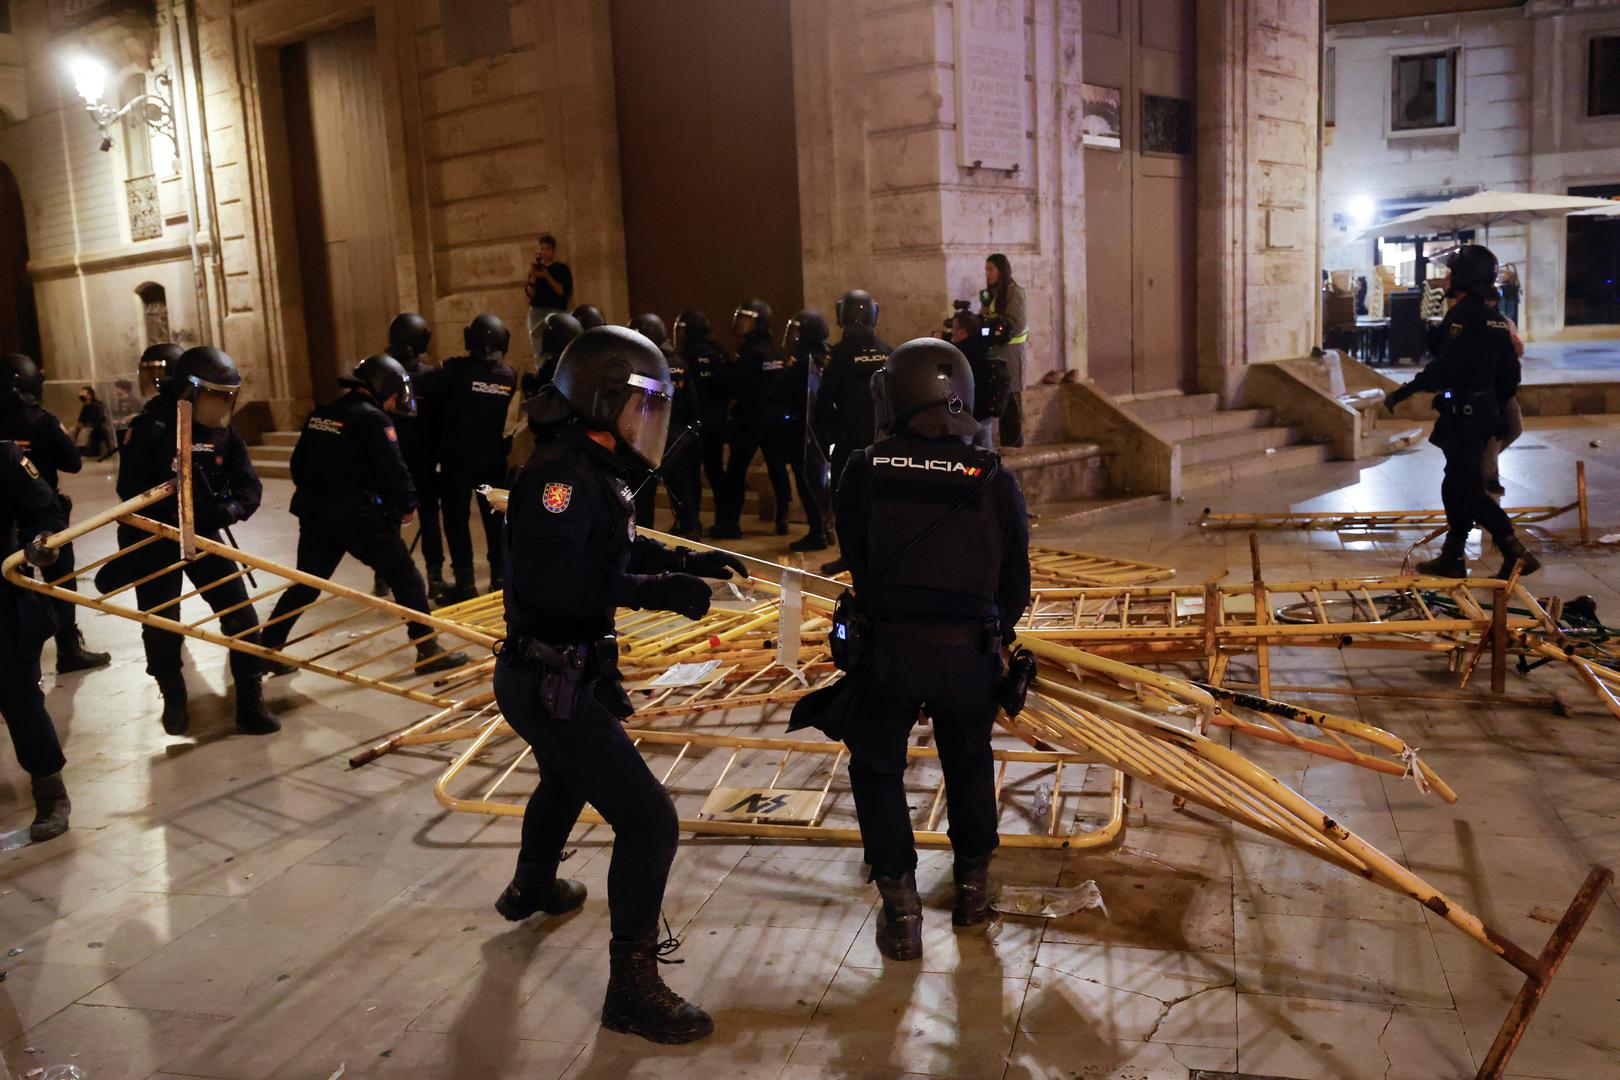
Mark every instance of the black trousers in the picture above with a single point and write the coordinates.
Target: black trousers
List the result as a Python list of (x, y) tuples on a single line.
[(67, 612), (684, 477), (1463, 491), (589, 758), (712, 441), (457, 493), (956, 686), (160, 597), (322, 544), (22, 702), (744, 445), (427, 518), (1012, 420), (806, 478)]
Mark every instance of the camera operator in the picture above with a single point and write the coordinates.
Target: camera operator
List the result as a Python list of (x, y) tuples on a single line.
[(1003, 298), (968, 333)]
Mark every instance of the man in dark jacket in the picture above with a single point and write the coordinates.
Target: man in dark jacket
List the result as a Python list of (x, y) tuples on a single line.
[(408, 339), (844, 406), (805, 342), (680, 474), (759, 382), (43, 438), (708, 367)]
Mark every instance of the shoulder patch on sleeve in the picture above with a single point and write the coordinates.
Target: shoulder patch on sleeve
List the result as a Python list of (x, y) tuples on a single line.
[(555, 497), (28, 467)]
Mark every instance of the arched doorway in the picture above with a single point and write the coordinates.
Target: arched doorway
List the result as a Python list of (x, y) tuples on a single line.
[(19, 321)]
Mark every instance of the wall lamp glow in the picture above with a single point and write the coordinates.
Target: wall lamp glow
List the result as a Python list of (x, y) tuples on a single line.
[(90, 80), (1362, 211)]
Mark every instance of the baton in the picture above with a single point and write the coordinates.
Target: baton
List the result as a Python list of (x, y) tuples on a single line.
[(200, 477), (688, 433)]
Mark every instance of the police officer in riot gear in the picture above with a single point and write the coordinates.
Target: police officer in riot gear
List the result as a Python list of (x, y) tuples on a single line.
[(574, 558), (758, 420), (805, 342), (556, 331), (590, 316), (29, 508), (466, 403), (42, 437), (353, 491), (155, 365), (681, 474), (709, 369), (225, 490), (844, 405), (408, 338), (1475, 372), (936, 536)]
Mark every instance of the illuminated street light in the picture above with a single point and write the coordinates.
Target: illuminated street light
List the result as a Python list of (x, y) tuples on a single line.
[(90, 80), (1362, 211)]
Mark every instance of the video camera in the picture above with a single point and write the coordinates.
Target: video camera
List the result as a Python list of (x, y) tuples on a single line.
[(994, 329)]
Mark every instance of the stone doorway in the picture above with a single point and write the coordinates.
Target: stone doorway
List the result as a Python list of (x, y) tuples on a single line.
[(19, 320), (1592, 269), (708, 157)]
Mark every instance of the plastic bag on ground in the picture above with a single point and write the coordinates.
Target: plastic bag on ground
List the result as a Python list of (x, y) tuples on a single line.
[(1049, 901)]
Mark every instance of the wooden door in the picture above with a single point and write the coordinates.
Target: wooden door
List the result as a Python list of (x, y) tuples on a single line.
[(19, 320), (340, 198)]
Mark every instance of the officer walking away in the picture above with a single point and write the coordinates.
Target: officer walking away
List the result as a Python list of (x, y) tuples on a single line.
[(844, 405), (408, 338), (226, 490), (1476, 369), (937, 539), (759, 384), (47, 444), (805, 341), (1001, 302), (29, 510), (681, 473), (352, 493), (574, 558), (550, 287), (466, 404), (708, 367)]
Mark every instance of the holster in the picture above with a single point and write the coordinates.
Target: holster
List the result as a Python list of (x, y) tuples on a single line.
[(564, 671), (1021, 669), (851, 634)]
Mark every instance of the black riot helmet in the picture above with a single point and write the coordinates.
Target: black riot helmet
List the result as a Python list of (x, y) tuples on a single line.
[(926, 386), (651, 327), (690, 325), (856, 308), (408, 332), (556, 331), (612, 379), (1473, 270), (206, 377), (386, 378), (758, 310), (21, 381), (487, 336), (157, 364), (807, 328), (590, 316)]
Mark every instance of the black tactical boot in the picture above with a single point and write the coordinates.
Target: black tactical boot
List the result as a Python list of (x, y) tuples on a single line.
[(638, 1002), (379, 587), (175, 718), (252, 718), (536, 889), (51, 807), (811, 541), (436, 585), (431, 658), (725, 530), (1448, 563), (465, 588), (836, 566), (899, 927), (71, 655), (781, 523), (1514, 551), (973, 891), (497, 584)]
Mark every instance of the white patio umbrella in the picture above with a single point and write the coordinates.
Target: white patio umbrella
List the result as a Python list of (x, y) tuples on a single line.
[(1482, 210)]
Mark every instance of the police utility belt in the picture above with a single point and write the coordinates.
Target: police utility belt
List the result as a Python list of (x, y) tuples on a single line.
[(563, 669), (1464, 402)]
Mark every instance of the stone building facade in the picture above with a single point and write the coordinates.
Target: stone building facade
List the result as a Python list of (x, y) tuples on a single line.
[(447, 135)]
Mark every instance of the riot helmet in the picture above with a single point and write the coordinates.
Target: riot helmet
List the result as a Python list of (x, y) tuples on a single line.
[(590, 316), (21, 381), (928, 388), (757, 310), (157, 364), (856, 308), (807, 328), (651, 327), (206, 377), (385, 377), (613, 379), (408, 336), (556, 331), (487, 336), (1473, 270), (690, 325)]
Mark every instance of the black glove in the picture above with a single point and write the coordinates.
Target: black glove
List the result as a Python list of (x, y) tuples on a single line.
[(1399, 395), (712, 564), (38, 554), (680, 593)]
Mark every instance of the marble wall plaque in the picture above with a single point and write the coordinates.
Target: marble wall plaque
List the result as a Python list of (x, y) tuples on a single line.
[(990, 88)]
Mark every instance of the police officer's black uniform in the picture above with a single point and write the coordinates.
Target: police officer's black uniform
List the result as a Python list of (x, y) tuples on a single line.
[(43, 438), (465, 403), (574, 559), (758, 419), (226, 491), (936, 536), (805, 340), (408, 340), (352, 490), (681, 475), (1475, 372), (708, 367), (28, 508), (844, 405)]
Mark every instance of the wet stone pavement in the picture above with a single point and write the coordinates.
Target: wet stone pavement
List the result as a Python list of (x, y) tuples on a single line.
[(246, 908)]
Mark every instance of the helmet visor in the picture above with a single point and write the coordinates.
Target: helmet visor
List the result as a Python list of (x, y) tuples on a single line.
[(643, 423), (405, 399), (213, 407), (677, 334), (790, 335), (882, 407)]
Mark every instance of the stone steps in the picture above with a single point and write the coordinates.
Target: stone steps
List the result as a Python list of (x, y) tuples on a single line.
[(1226, 470), (1169, 405), (1220, 445), (1056, 472), (1247, 443)]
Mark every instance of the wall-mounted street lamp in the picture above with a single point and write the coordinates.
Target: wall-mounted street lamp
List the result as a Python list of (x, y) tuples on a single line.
[(90, 80)]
